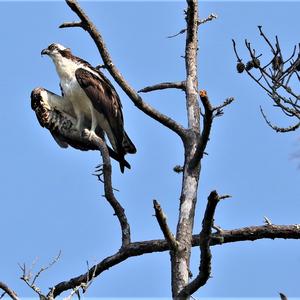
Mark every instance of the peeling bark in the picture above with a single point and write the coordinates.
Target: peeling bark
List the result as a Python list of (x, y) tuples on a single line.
[(180, 260)]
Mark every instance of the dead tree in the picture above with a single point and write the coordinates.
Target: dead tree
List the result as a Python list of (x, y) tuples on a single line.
[(194, 136), (276, 76)]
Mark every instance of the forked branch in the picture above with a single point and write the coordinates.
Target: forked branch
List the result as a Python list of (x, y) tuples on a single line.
[(211, 17), (30, 279), (205, 242), (145, 247), (210, 113)]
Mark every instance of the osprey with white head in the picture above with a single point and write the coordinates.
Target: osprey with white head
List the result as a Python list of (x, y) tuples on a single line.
[(94, 99)]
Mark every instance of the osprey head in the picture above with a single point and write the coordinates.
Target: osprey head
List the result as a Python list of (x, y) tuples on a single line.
[(55, 50)]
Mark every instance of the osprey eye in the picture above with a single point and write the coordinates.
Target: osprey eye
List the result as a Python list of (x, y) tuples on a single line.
[(51, 47)]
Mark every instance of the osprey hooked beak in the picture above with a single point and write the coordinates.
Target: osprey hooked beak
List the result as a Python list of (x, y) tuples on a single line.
[(45, 51)]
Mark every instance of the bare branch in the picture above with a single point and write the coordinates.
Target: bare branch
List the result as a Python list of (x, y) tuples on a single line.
[(207, 123), (254, 233), (72, 24), (7, 290), (266, 39), (145, 247), (224, 197), (109, 194), (115, 73), (162, 86), (182, 31), (162, 221), (219, 109), (235, 51), (211, 17), (276, 128), (205, 238)]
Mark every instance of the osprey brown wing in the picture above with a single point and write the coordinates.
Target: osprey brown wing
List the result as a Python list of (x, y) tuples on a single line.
[(104, 99)]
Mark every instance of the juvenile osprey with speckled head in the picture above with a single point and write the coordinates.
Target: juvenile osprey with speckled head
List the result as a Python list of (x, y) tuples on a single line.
[(94, 99)]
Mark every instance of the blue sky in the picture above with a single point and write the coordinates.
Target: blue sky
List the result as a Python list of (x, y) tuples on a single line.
[(51, 202)]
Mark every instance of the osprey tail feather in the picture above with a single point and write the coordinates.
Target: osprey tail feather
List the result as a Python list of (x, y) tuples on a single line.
[(123, 163), (128, 144)]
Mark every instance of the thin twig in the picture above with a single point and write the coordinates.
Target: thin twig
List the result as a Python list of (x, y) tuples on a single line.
[(43, 269), (235, 51), (220, 107), (211, 17), (266, 39), (182, 31)]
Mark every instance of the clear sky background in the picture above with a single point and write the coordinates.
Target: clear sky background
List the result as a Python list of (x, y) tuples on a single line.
[(51, 202)]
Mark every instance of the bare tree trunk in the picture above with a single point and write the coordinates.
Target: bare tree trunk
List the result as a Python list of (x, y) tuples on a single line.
[(180, 259)]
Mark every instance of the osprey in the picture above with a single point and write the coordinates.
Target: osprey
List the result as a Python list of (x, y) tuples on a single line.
[(95, 102)]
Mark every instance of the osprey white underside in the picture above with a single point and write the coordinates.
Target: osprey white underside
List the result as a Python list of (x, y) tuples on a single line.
[(81, 104)]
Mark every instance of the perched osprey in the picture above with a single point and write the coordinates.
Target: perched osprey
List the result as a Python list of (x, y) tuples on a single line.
[(94, 99), (50, 109)]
